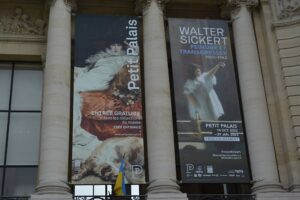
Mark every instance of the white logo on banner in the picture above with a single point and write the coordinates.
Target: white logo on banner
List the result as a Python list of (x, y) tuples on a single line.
[(189, 168)]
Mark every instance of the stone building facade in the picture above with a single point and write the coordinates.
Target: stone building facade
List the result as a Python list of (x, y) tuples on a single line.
[(38, 35)]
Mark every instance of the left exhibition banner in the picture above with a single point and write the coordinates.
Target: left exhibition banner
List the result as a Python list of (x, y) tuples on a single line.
[(107, 101)]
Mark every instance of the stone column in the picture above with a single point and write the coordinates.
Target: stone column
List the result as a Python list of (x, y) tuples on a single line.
[(54, 145), (161, 153), (260, 142)]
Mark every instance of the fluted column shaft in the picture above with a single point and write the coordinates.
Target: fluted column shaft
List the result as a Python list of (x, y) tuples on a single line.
[(54, 147), (261, 149), (161, 155)]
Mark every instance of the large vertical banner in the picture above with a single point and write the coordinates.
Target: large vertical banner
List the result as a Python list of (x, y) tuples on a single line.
[(210, 133), (107, 108)]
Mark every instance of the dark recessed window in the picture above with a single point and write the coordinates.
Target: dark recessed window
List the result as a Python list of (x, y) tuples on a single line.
[(20, 119)]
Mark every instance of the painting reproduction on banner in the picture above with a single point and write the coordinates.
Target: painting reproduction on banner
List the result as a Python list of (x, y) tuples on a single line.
[(107, 101), (211, 137)]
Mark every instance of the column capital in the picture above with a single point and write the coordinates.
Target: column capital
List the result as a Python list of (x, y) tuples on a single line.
[(70, 4), (143, 5), (239, 3), (233, 7)]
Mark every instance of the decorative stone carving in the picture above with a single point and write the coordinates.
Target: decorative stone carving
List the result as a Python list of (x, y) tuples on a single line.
[(238, 3), (288, 8), (20, 22), (142, 5)]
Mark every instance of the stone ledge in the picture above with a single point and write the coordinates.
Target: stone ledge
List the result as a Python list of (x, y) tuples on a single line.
[(278, 196), (162, 196), (51, 197), (23, 38)]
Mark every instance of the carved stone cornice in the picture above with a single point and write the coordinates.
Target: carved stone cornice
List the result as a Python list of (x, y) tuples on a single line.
[(239, 3), (143, 5)]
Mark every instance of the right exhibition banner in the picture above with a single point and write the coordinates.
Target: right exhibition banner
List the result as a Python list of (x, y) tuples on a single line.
[(211, 138)]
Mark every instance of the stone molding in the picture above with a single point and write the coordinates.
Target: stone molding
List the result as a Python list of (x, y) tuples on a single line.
[(18, 22), (287, 9), (23, 38), (143, 5), (286, 22)]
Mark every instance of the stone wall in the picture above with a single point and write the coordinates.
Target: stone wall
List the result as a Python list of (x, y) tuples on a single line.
[(287, 31)]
